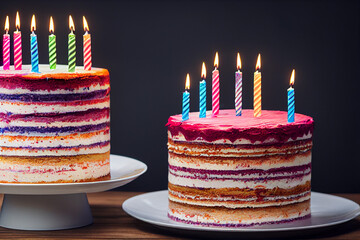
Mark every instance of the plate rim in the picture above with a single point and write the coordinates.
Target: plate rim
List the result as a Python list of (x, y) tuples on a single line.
[(32, 185), (181, 226)]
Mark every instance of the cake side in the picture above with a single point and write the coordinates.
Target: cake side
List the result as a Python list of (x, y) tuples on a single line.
[(231, 162), (55, 126)]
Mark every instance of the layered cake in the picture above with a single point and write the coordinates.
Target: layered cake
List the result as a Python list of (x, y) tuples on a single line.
[(234, 171), (55, 125)]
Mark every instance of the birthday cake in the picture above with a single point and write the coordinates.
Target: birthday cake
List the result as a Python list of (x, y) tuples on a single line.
[(55, 125), (234, 171)]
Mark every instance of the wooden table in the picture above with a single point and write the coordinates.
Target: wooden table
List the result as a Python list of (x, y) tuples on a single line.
[(111, 222)]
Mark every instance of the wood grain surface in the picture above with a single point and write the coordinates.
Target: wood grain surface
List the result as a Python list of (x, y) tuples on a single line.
[(111, 222)]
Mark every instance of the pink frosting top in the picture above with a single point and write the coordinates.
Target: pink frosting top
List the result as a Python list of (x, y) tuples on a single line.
[(271, 124)]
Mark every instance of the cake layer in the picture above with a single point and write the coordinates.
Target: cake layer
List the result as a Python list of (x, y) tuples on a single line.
[(272, 127), (8, 107), (239, 198), (238, 150), (239, 163), (242, 217), (54, 169), (59, 79), (70, 140)]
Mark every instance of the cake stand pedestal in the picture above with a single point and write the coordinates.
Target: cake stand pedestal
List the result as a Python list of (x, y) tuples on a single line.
[(60, 205)]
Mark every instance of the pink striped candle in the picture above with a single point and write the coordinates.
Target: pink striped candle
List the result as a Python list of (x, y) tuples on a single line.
[(87, 46), (238, 87), (6, 46), (17, 45), (215, 87)]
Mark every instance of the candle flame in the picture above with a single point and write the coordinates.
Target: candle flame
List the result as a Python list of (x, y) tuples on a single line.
[(7, 24), (292, 78), (187, 82), (216, 61), (71, 24), (17, 21), (33, 24), (51, 26), (86, 26), (258, 63), (203, 71), (238, 62)]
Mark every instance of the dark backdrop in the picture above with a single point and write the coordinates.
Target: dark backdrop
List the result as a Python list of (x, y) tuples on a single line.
[(149, 46)]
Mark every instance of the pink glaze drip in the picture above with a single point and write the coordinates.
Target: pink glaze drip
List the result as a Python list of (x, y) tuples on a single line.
[(271, 124)]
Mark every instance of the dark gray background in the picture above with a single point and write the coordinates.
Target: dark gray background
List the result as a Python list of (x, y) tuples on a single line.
[(149, 46)]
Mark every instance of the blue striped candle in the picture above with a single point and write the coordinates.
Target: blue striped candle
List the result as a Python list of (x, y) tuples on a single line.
[(34, 48), (202, 92), (291, 99), (186, 100)]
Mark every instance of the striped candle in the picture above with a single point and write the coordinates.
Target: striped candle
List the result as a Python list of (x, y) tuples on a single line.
[(34, 47), (186, 100), (6, 46), (238, 87), (71, 47), (291, 98), (87, 46), (215, 87), (257, 89), (17, 44), (202, 92), (52, 45)]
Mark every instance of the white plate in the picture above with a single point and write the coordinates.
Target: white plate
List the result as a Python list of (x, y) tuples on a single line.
[(326, 210), (122, 170)]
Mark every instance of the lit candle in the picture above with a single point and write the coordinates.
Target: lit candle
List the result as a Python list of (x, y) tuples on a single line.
[(71, 47), (52, 45), (215, 87), (87, 46), (291, 98), (257, 89), (17, 44), (238, 87), (6, 46), (34, 47), (186, 100), (202, 91)]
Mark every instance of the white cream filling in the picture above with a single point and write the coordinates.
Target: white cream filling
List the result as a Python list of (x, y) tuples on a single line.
[(54, 152), (240, 164), (253, 184), (92, 88), (77, 172), (30, 108)]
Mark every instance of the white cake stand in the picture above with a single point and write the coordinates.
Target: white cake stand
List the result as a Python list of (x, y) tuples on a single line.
[(60, 205)]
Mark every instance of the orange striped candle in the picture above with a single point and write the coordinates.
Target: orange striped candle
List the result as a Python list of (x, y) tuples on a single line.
[(257, 89)]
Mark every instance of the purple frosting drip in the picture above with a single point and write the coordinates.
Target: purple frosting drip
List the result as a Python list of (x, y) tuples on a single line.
[(231, 225), (55, 97)]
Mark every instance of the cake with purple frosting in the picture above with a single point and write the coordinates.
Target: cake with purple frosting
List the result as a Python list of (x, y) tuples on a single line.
[(55, 125), (231, 171)]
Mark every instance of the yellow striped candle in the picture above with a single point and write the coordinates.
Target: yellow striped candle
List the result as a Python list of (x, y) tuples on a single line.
[(257, 89)]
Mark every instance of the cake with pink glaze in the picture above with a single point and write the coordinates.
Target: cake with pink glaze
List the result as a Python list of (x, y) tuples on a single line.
[(230, 171), (55, 125)]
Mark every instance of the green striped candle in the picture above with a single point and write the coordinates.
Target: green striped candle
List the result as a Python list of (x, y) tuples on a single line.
[(71, 47), (52, 45)]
